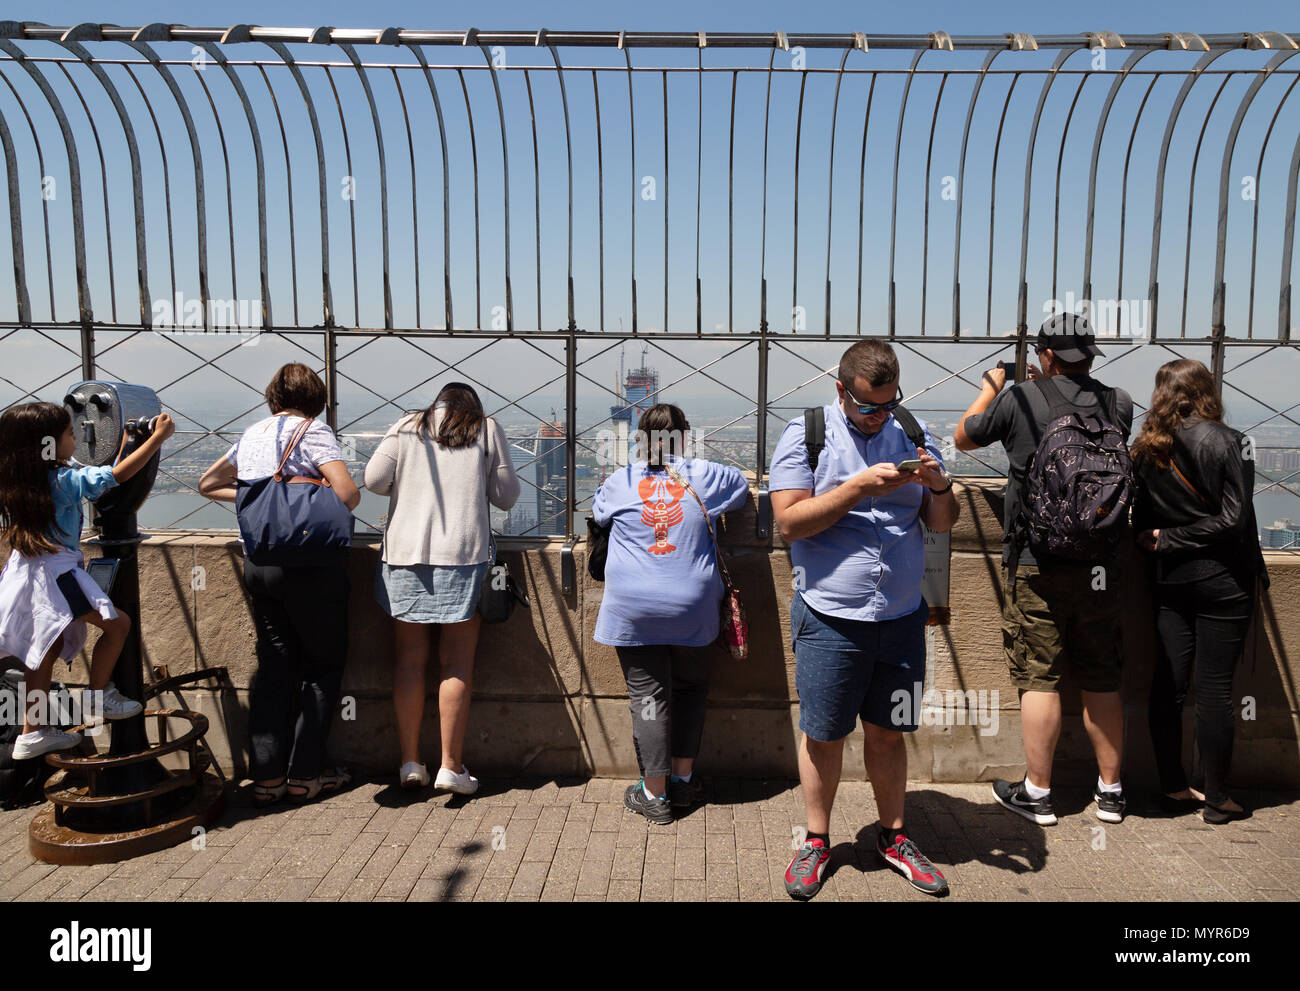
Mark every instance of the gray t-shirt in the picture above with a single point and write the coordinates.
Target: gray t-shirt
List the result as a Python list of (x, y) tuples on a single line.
[(1017, 419)]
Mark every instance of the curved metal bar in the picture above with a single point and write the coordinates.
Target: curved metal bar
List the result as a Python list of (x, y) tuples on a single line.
[(699, 168), (137, 185), (1129, 63), (798, 143), (1288, 249), (1029, 174), (993, 185), (263, 263), (830, 182), (200, 200), (351, 53), (473, 152), (167, 199), (505, 183), (537, 195), (665, 91), (446, 188), (1254, 230), (1153, 272), (731, 210), (16, 225), (568, 150), (1123, 186), (230, 205), (103, 179), (925, 196), (862, 187), (45, 203), (1191, 196), (352, 201), (1217, 319), (762, 270), (961, 182), (631, 121), (1060, 159), (893, 209), (415, 213), (327, 290), (600, 197), (85, 313)]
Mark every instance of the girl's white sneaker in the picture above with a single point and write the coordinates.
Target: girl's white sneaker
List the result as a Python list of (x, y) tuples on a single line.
[(413, 775), (463, 783), (46, 740)]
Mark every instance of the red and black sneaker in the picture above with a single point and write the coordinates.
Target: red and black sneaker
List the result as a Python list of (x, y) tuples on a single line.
[(904, 856), (803, 878)]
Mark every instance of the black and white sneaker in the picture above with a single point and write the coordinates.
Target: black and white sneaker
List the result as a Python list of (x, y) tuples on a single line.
[(1012, 795), (1110, 806)]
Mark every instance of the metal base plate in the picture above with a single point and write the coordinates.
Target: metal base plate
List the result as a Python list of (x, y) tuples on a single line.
[(57, 844)]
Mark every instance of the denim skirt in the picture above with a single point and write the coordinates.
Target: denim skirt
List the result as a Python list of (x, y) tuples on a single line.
[(430, 593)]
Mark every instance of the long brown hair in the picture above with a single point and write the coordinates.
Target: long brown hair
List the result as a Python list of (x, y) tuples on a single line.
[(659, 419), (1184, 391), (463, 418), (26, 459)]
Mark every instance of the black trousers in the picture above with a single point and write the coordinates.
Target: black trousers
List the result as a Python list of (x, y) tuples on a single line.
[(1201, 628), (301, 618), (666, 688)]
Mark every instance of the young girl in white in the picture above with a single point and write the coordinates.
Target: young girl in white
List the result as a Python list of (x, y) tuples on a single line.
[(46, 596)]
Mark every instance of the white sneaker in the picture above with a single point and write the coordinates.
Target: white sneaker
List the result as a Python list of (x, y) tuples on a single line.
[(45, 740), (115, 704), (413, 775), (463, 783)]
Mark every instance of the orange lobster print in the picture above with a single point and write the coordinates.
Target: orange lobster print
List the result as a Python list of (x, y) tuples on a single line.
[(662, 498)]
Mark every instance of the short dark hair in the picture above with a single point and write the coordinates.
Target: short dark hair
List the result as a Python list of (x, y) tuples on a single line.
[(662, 421), (871, 360), (297, 387)]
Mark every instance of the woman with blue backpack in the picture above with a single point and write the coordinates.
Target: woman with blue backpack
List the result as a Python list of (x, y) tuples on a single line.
[(298, 591)]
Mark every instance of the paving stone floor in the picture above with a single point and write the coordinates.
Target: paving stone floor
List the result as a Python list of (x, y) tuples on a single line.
[(572, 840)]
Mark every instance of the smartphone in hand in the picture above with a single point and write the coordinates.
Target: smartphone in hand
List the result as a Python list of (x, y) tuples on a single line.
[(911, 464)]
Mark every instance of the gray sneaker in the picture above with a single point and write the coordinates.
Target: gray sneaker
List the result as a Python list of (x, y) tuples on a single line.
[(684, 794), (658, 810)]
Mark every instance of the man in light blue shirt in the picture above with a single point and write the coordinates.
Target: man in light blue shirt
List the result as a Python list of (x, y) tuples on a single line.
[(857, 618)]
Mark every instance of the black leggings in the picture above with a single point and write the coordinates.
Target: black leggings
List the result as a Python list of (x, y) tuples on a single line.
[(301, 617), (1201, 628), (666, 691)]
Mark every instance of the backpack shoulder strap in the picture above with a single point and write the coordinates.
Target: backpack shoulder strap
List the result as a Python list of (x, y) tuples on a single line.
[(814, 433), (1056, 404), (910, 427)]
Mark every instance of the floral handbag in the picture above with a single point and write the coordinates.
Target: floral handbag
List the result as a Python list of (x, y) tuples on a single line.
[(733, 628)]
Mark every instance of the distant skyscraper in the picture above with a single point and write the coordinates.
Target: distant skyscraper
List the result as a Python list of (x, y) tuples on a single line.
[(1282, 535), (551, 477), (639, 392)]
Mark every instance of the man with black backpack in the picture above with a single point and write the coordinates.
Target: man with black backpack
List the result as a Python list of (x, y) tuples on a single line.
[(1069, 484), (851, 484)]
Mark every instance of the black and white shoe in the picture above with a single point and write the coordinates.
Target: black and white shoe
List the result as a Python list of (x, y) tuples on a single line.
[(1012, 795), (658, 810), (1110, 806)]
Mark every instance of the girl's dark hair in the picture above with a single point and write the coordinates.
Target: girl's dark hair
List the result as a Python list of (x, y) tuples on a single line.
[(1184, 390), (462, 420), (661, 419), (295, 386), (29, 435)]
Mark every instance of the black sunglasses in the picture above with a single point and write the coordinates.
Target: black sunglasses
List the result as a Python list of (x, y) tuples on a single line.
[(866, 409)]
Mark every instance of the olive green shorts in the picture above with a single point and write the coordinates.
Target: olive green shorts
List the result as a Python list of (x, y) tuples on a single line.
[(1056, 620)]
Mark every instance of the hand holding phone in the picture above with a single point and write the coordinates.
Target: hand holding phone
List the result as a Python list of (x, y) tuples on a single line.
[(909, 465)]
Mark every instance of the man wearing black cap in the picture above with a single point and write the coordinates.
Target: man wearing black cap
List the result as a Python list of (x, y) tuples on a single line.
[(1057, 614)]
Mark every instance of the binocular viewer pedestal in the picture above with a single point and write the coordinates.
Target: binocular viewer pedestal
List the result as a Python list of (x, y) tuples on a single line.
[(125, 803)]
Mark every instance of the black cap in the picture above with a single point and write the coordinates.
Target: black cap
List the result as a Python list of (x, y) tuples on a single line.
[(1069, 336)]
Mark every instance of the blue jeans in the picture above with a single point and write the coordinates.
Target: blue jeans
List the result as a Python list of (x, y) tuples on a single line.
[(847, 669)]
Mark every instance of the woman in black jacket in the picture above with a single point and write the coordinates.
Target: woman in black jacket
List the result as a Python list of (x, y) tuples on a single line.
[(1194, 510)]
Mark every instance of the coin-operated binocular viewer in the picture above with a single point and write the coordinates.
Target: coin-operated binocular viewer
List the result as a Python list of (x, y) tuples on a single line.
[(124, 803)]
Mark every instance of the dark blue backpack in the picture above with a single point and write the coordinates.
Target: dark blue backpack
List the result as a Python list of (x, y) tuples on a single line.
[(292, 520)]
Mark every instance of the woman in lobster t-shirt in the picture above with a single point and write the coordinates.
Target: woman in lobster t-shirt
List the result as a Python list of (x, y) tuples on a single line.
[(661, 600)]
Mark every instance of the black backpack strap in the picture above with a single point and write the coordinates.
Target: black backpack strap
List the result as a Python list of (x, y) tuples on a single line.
[(814, 433), (910, 427), (1056, 404)]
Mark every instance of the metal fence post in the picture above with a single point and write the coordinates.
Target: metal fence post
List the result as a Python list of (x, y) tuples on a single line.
[(760, 454), (331, 379), (570, 430), (87, 351)]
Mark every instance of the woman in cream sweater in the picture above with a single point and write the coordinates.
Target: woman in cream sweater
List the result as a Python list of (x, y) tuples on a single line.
[(439, 468)]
